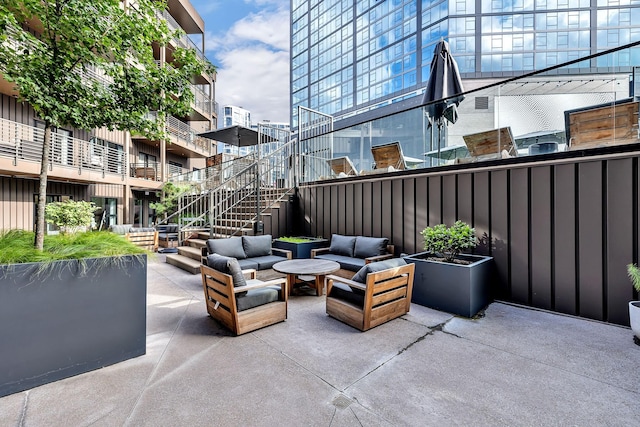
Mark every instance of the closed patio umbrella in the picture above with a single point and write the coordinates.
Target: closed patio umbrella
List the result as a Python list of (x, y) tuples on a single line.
[(444, 90)]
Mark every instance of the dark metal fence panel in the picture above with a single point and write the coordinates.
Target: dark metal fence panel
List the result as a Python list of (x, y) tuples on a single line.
[(561, 233)]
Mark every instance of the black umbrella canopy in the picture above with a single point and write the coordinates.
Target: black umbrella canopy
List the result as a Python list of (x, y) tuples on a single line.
[(444, 82), (237, 136)]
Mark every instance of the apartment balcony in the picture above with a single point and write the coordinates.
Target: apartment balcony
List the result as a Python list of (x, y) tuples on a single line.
[(183, 139), (185, 42), (70, 159)]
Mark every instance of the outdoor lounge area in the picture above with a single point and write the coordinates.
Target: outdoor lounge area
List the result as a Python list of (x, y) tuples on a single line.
[(511, 366)]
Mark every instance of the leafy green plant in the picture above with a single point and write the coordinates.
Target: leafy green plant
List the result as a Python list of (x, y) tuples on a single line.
[(634, 274), (448, 242), (70, 216), (169, 202)]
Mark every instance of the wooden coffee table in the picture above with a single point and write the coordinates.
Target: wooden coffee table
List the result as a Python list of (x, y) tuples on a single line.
[(306, 267)]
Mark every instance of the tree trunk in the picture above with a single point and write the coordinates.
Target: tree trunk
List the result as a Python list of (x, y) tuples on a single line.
[(42, 190)]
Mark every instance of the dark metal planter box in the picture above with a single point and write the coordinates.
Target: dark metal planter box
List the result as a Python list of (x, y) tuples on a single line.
[(301, 250), (454, 288), (69, 317)]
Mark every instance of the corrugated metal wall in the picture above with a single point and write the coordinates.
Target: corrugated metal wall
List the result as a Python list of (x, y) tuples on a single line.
[(561, 233)]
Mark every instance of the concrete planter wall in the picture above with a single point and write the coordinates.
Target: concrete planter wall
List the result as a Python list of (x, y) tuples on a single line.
[(634, 318), (454, 288), (301, 250), (69, 317)]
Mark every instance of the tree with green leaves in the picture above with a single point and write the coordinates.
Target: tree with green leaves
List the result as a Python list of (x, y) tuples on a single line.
[(47, 47)]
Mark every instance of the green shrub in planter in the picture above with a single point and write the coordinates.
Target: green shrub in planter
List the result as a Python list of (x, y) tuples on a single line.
[(448, 242)]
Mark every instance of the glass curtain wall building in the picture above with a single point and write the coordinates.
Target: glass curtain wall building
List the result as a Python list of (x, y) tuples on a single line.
[(361, 61), (349, 56)]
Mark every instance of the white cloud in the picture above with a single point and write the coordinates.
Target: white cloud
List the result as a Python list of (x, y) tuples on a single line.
[(253, 63)]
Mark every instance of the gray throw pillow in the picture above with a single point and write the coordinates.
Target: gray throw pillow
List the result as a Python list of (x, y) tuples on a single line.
[(366, 247), (361, 275), (231, 247), (342, 245), (227, 265), (255, 246)]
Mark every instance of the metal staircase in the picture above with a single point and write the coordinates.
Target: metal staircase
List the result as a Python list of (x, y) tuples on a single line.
[(230, 199)]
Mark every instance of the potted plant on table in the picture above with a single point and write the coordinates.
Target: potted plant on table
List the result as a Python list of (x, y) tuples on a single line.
[(78, 305), (634, 306), (447, 280), (300, 247)]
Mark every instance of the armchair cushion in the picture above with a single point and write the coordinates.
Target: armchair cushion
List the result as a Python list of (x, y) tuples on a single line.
[(257, 297), (228, 266), (347, 293), (366, 247), (230, 247), (342, 245), (255, 246), (361, 275)]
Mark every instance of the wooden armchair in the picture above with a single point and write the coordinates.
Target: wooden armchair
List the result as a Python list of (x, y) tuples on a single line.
[(245, 308), (385, 295)]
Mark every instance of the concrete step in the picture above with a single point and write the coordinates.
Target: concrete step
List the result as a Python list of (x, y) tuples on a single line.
[(190, 252), (185, 263)]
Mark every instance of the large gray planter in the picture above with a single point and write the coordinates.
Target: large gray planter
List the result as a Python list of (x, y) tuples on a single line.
[(69, 317), (301, 250), (454, 288)]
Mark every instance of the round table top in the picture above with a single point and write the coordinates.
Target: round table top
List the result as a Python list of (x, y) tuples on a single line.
[(311, 266)]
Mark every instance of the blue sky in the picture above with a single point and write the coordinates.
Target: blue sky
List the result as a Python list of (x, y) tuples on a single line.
[(248, 41)]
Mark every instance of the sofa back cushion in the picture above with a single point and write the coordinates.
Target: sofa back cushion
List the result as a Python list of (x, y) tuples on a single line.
[(230, 247), (366, 247), (361, 275), (342, 245), (120, 228), (227, 265), (255, 246)]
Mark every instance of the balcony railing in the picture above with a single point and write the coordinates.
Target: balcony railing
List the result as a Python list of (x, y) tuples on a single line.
[(148, 170), (184, 41), (24, 143), (182, 133), (202, 100)]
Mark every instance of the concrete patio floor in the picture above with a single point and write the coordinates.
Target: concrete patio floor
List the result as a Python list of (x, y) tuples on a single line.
[(512, 367)]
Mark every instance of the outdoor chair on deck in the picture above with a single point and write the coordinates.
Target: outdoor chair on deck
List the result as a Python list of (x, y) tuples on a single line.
[(379, 292), (342, 166), (239, 304), (491, 144), (389, 156)]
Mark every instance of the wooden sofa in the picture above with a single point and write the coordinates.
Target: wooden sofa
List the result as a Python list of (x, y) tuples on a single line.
[(379, 292), (243, 307), (146, 238), (353, 252)]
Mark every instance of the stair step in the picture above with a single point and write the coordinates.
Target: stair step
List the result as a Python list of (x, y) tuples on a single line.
[(200, 242), (190, 252), (185, 263)]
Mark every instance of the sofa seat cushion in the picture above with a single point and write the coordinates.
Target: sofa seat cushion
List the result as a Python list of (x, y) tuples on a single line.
[(257, 297), (342, 245), (366, 247), (361, 275), (346, 262), (231, 247), (248, 263), (266, 262), (257, 246), (347, 293)]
